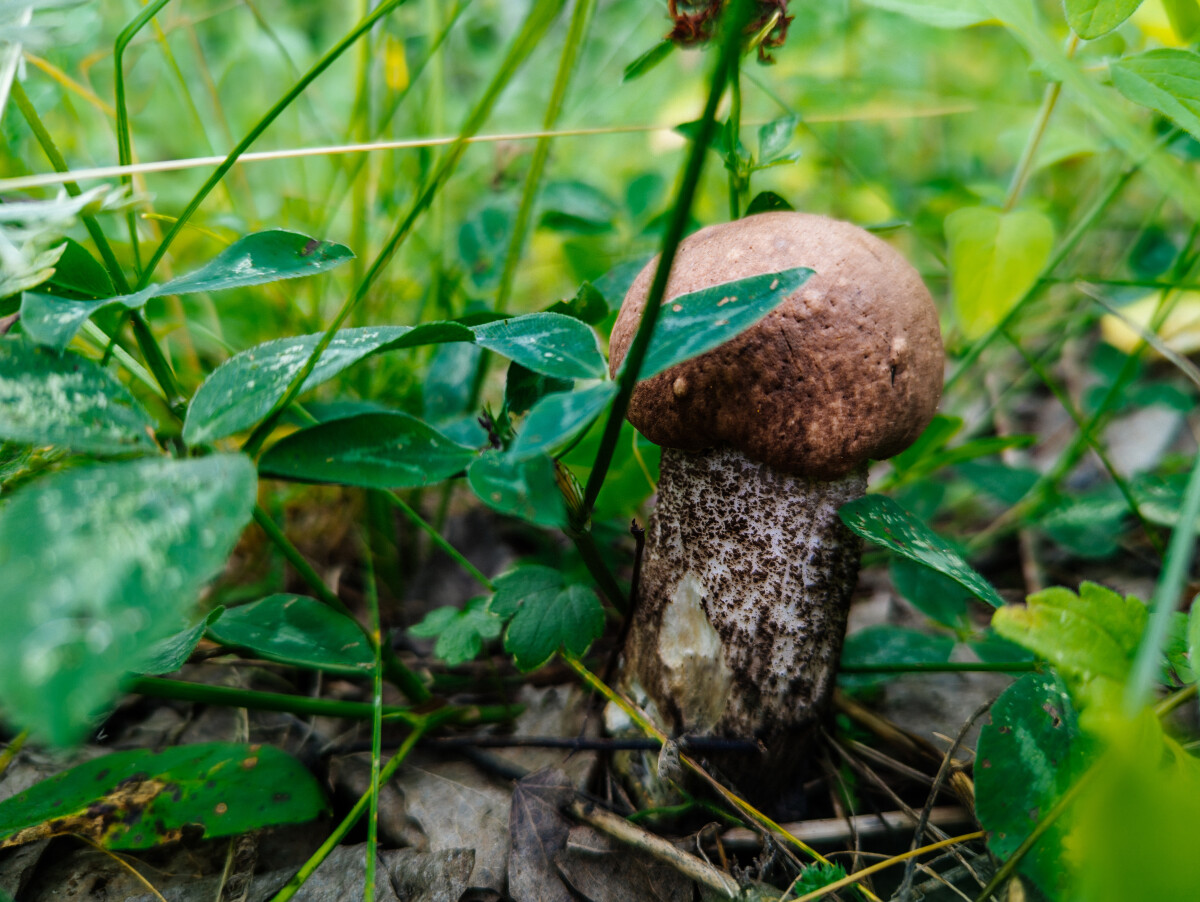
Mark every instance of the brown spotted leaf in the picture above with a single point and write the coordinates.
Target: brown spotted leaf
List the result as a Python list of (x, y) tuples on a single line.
[(141, 798)]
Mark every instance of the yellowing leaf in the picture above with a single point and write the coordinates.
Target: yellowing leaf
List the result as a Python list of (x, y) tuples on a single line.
[(1180, 331), (995, 258)]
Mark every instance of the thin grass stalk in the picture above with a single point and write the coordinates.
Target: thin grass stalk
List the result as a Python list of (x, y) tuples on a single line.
[(261, 126), (339, 832), (735, 19), (535, 25), (1178, 562), (421, 523), (124, 141)]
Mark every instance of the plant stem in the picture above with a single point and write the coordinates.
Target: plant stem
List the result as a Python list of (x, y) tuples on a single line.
[(737, 15), (1025, 165), (417, 520), (733, 131), (947, 667), (376, 724)]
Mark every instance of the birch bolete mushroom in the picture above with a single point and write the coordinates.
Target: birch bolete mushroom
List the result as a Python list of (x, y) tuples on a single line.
[(747, 571)]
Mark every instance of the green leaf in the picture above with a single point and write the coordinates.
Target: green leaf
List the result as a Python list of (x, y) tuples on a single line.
[(520, 488), (1094, 18), (371, 450), (243, 389), (141, 798), (936, 596), (547, 343), (67, 401), (254, 260), (775, 136), (573, 206), (523, 388), (995, 258), (169, 654), (648, 60), (80, 274), (545, 614), (557, 419), (767, 201), (296, 630), (939, 13), (699, 321), (460, 632), (886, 523), (1167, 81), (108, 558), (890, 645), (588, 305), (1028, 756), (1093, 634)]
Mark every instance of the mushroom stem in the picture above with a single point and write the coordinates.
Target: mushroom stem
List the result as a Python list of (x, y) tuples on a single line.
[(744, 593)]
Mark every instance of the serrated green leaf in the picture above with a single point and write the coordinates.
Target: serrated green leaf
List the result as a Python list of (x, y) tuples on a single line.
[(545, 614), (296, 630), (1093, 634), (243, 389), (1095, 18), (460, 632), (171, 653), (699, 321), (648, 60), (995, 258), (109, 559), (547, 343), (520, 488), (1166, 80), (938, 13), (886, 523), (1029, 755), (371, 450), (141, 798), (254, 260), (69, 402), (557, 419)]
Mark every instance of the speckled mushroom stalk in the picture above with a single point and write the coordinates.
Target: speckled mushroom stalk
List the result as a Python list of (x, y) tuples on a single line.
[(747, 570)]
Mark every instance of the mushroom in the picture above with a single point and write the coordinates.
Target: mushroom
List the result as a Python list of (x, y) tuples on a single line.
[(747, 571)]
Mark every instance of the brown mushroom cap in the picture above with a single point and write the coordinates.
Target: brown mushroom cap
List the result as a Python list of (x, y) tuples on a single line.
[(848, 368)]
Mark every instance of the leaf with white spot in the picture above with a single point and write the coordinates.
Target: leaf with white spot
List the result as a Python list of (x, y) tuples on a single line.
[(699, 321), (254, 260), (69, 402), (547, 343), (243, 389), (100, 562)]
